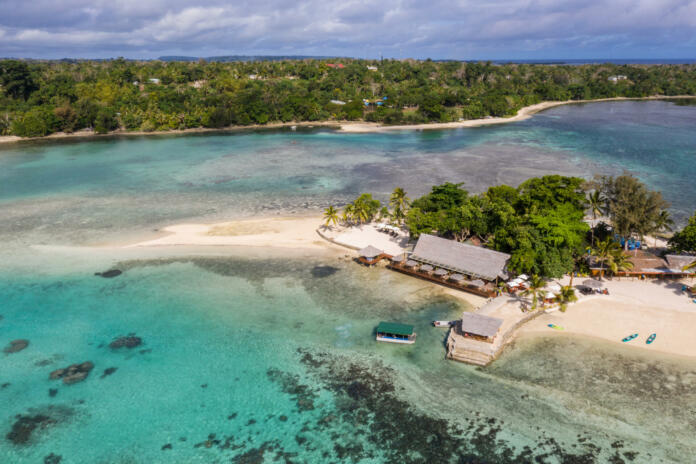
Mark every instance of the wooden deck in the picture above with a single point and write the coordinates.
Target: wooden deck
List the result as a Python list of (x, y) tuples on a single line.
[(375, 260), (488, 291)]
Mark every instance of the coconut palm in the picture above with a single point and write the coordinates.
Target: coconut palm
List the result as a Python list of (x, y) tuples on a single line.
[(596, 201), (618, 262), (399, 203), (348, 212), (603, 251), (384, 213), (566, 295), (535, 287), (330, 216), (663, 223)]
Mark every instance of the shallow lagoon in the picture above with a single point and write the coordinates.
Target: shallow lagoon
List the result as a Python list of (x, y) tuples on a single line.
[(271, 359)]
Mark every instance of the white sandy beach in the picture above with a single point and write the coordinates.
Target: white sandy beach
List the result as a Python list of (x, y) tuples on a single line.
[(632, 306), (292, 232), (345, 126)]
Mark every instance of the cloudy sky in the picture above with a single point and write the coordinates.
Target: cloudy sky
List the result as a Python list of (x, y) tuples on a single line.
[(460, 29)]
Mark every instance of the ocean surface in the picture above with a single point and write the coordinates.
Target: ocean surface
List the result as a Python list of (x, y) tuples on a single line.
[(261, 356)]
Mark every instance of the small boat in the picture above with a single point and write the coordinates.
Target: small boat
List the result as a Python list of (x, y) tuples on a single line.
[(650, 339), (443, 324), (554, 326), (629, 338), (394, 332)]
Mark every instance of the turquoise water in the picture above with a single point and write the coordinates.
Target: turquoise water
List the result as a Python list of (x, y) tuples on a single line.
[(269, 357)]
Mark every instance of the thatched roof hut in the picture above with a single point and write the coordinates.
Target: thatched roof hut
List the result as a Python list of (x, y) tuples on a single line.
[(473, 261), (480, 325), (370, 252)]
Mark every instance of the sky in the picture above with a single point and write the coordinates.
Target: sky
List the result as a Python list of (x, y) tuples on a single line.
[(438, 29)]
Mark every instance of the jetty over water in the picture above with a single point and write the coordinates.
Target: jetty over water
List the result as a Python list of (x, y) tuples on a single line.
[(479, 337)]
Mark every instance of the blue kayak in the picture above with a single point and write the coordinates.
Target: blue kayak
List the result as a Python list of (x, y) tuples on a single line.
[(650, 339), (629, 338)]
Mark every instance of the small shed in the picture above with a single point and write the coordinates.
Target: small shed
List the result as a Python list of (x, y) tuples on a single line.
[(481, 327)]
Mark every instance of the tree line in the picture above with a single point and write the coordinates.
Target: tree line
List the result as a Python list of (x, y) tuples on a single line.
[(543, 224), (42, 97)]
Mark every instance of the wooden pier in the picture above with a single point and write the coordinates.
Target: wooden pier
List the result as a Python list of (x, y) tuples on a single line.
[(487, 291)]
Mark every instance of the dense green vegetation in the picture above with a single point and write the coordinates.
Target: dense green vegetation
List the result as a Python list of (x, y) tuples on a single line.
[(541, 223), (39, 98), (685, 239)]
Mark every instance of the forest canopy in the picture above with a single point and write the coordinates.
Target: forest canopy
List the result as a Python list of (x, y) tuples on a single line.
[(42, 97)]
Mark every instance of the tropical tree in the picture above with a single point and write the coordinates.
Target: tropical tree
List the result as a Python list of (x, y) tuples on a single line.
[(365, 208), (685, 240), (663, 223), (348, 213), (596, 202), (330, 216), (565, 296), (633, 208), (399, 203), (603, 252), (535, 288), (619, 262)]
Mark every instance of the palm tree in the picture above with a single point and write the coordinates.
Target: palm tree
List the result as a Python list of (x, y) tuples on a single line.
[(596, 202), (384, 213), (330, 216), (536, 284), (360, 212), (567, 295), (618, 262), (348, 212), (603, 252), (400, 203), (663, 222)]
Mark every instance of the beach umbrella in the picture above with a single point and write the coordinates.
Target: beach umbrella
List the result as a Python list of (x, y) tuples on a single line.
[(477, 283), (397, 259), (591, 283), (523, 277), (440, 272), (426, 268), (457, 277), (550, 296), (411, 263)]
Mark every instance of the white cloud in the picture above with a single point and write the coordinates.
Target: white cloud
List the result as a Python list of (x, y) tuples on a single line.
[(437, 28)]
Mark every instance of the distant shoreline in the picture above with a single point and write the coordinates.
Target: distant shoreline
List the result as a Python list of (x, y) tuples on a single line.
[(341, 126)]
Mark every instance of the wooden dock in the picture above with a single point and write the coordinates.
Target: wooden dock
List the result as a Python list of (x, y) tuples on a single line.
[(487, 291)]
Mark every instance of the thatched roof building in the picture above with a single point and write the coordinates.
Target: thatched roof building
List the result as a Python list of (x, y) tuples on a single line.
[(473, 261), (677, 263), (480, 325), (370, 252)]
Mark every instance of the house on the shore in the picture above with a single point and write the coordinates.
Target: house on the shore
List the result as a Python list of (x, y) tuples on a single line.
[(649, 265)]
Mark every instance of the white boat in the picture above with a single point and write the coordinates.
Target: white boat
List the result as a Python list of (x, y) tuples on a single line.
[(443, 323)]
